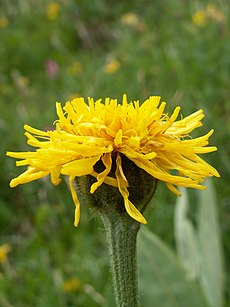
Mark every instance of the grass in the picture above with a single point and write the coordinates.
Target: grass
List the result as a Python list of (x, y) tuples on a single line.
[(98, 49)]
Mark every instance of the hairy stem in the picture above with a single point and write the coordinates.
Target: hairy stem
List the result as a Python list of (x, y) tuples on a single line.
[(121, 232)]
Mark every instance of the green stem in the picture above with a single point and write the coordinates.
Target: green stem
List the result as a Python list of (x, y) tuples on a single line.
[(121, 229), (121, 232)]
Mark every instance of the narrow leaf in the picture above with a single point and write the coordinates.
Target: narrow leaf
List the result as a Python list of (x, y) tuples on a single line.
[(211, 258), (163, 281), (185, 236)]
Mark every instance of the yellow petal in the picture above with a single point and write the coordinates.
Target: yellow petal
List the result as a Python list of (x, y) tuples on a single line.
[(80, 106), (107, 160), (76, 202), (173, 189), (158, 173), (172, 118), (111, 181), (124, 100), (29, 175), (22, 162), (130, 153), (108, 180), (79, 167), (122, 183), (202, 150), (55, 173), (118, 138), (35, 131), (20, 155)]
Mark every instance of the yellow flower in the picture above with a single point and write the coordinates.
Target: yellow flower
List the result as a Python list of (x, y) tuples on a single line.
[(199, 18), (4, 250), (71, 285), (133, 21), (53, 10), (88, 132), (75, 68), (4, 22), (112, 66), (130, 19), (22, 82), (214, 13)]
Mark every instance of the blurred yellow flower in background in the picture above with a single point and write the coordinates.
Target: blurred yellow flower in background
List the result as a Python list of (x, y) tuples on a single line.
[(112, 66), (71, 285), (214, 13), (97, 131), (75, 68), (130, 19), (53, 10), (23, 82), (199, 18), (210, 12), (4, 250), (4, 22)]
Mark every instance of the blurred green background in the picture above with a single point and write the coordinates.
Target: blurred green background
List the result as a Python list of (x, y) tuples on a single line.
[(53, 51)]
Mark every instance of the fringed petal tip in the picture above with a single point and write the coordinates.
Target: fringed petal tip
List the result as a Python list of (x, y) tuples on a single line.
[(10, 154), (76, 202), (76, 216), (133, 212), (54, 175), (13, 183), (172, 188), (142, 220)]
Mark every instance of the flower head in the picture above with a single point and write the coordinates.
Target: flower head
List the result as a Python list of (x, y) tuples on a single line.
[(215, 13), (199, 18), (112, 66), (71, 285), (130, 19), (86, 133), (53, 10), (4, 22), (4, 250)]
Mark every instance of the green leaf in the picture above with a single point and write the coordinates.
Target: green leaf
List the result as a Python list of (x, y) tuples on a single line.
[(211, 258), (163, 281), (200, 249), (186, 236)]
